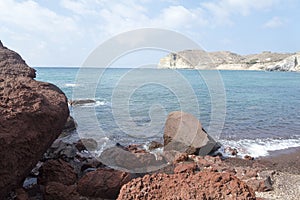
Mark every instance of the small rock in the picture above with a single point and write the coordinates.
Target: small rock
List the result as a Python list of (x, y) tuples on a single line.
[(81, 102), (247, 157)]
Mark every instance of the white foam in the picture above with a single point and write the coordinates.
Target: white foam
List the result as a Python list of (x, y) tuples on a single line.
[(70, 85), (260, 147), (96, 104)]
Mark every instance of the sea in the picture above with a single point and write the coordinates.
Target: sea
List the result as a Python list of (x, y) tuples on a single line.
[(256, 112)]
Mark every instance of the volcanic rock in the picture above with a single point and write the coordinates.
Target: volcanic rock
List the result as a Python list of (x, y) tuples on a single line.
[(103, 183), (203, 185), (184, 133), (32, 116)]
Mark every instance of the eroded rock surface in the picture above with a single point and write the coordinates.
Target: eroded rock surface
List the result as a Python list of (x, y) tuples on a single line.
[(32, 115), (202, 185)]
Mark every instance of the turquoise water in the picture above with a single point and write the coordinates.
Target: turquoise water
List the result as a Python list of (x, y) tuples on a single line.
[(262, 108)]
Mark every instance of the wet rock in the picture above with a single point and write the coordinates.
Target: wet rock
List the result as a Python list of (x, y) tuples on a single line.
[(231, 151), (247, 157), (184, 133), (81, 102), (135, 148), (103, 183), (57, 171), (32, 116), (59, 191), (202, 185), (154, 145)]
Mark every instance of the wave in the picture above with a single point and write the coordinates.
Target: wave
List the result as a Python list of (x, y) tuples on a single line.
[(259, 147)]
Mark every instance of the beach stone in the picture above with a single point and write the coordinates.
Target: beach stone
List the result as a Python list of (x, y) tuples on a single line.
[(57, 171), (103, 183), (184, 133), (59, 191), (32, 116), (202, 185)]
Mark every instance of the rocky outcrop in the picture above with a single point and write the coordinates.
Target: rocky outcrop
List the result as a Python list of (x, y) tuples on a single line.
[(184, 133), (32, 116), (225, 60), (202, 185)]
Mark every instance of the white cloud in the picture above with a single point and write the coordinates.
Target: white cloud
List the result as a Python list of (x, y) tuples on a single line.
[(275, 22), (69, 30), (175, 17), (31, 16), (222, 10)]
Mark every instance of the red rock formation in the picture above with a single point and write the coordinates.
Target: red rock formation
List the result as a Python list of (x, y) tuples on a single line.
[(32, 115), (203, 185)]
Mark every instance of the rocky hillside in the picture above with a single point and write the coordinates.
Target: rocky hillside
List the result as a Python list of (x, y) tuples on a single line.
[(225, 60)]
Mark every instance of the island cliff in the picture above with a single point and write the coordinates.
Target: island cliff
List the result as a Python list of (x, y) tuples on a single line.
[(225, 60)]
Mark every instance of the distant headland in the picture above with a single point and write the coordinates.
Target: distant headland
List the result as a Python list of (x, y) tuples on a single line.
[(226, 60)]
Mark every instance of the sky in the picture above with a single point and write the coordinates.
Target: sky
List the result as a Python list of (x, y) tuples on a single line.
[(65, 32)]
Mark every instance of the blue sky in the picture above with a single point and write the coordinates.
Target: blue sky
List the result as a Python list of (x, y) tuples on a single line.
[(65, 32)]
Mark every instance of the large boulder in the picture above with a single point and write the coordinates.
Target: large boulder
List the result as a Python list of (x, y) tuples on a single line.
[(184, 133), (32, 115), (203, 185)]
